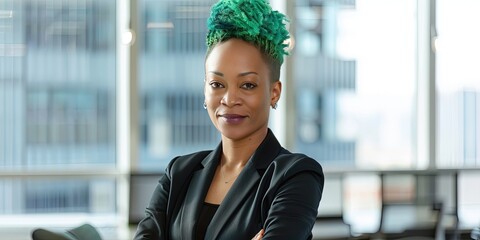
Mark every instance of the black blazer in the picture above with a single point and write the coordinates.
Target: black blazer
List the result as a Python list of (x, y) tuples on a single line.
[(277, 190)]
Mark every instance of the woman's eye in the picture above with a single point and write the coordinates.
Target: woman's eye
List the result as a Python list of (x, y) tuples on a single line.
[(216, 85), (248, 86)]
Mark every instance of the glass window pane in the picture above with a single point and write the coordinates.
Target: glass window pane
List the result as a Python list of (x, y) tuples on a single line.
[(332, 197), (57, 195), (355, 79), (363, 202), (57, 105), (458, 84), (398, 188), (57, 84), (172, 119), (469, 199)]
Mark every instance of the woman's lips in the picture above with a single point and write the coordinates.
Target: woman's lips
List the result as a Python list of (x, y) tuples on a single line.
[(233, 118)]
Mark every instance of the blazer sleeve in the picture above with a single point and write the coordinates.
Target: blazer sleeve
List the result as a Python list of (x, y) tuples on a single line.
[(152, 226), (294, 207)]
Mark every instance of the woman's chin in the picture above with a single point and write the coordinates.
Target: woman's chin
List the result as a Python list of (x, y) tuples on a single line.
[(236, 133), (231, 133)]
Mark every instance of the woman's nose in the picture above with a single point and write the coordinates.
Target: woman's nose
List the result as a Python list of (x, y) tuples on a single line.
[(231, 97)]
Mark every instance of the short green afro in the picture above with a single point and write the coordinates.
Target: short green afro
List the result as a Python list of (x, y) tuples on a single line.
[(253, 21)]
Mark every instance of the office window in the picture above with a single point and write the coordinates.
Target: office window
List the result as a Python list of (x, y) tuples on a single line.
[(57, 106), (70, 125), (362, 202), (458, 84), (458, 99), (171, 72), (355, 82), (468, 199), (50, 195)]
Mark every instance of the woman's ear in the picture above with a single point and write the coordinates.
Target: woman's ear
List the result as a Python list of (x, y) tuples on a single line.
[(276, 91)]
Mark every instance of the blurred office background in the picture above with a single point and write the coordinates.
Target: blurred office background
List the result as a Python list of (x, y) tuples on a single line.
[(96, 97)]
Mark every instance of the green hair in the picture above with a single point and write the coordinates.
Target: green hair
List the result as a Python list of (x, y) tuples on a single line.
[(253, 21)]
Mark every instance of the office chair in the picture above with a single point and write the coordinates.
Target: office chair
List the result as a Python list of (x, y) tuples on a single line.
[(83, 232)]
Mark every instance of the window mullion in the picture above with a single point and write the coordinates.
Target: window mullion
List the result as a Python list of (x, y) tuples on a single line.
[(426, 95)]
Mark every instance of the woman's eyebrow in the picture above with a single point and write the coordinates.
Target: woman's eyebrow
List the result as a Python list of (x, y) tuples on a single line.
[(217, 73), (247, 73), (240, 74)]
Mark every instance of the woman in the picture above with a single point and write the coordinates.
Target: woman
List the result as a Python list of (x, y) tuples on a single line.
[(249, 186)]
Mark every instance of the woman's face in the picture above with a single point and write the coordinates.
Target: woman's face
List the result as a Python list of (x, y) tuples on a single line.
[(238, 90)]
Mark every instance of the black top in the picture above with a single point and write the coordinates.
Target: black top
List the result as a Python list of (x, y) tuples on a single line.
[(206, 215)]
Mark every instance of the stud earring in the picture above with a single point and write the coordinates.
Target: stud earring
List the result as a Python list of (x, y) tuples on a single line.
[(204, 105), (274, 106)]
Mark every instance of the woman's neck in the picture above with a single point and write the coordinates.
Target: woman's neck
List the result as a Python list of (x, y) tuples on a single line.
[(236, 153)]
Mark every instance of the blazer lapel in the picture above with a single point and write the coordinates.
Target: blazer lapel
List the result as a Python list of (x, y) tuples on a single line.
[(248, 179), (197, 191)]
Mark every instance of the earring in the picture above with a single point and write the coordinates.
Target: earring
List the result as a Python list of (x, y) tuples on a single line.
[(204, 105), (274, 106)]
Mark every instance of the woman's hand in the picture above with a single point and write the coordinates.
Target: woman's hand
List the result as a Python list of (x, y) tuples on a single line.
[(259, 235)]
